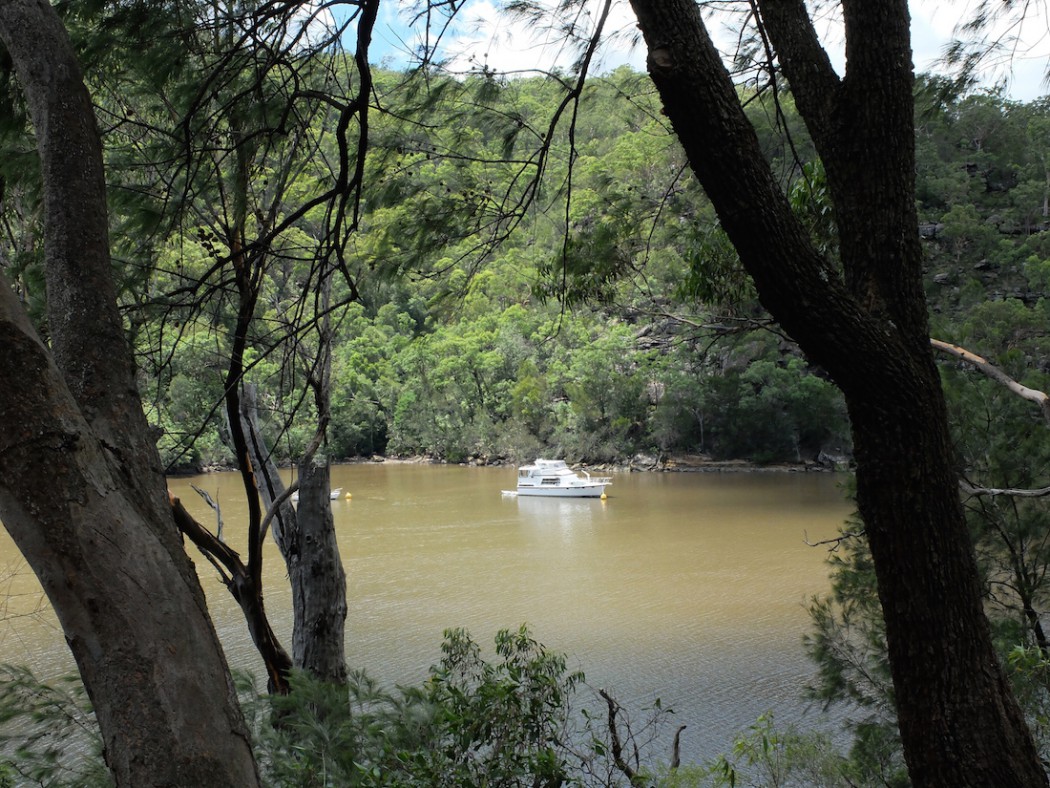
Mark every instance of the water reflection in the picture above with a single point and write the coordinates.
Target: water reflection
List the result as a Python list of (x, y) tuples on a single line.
[(569, 518)]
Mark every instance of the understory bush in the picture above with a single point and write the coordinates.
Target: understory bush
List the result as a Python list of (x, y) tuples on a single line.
[(506, 722), (521, 719)]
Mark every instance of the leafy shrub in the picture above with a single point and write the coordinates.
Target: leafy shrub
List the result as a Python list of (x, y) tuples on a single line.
[(471, 723)]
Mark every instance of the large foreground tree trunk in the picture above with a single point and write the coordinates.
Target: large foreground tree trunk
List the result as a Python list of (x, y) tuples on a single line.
[(867, 326), (81, 490)]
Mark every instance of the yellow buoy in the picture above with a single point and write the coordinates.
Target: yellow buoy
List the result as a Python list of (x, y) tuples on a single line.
[(604, 496), (349, 496)]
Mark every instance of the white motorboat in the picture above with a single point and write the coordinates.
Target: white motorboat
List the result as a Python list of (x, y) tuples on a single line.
[(554, 479), (332, 496)]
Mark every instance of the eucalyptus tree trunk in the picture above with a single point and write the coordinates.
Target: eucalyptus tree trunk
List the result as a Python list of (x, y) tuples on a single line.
[(866, 324), (81, 489)]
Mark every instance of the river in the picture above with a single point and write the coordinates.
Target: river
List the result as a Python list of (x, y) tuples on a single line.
[(689, 587)]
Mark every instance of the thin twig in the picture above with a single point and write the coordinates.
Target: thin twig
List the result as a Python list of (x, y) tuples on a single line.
[(836, 542)]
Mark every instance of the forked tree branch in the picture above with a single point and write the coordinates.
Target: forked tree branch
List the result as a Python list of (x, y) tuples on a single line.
[(835, 542), (238, 578)]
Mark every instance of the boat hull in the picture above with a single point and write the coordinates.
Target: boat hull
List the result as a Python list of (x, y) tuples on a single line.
[(333, 495), (581, 491)]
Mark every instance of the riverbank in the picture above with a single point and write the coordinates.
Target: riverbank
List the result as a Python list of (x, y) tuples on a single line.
[(639, 463), (681, 463)]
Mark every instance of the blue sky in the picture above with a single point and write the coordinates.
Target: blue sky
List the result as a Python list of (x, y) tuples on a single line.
[(487, 36)]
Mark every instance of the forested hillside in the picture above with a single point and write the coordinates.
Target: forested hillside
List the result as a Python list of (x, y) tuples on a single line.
[(613, 320), (596, 314)]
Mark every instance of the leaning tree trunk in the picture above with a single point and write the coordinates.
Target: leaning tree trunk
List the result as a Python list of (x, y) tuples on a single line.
[(81, 490), (866, 325)]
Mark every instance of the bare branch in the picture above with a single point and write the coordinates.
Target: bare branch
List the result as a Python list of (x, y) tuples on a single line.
[(1040, 398), (617, 747), (676, 754), (239, 580), (215, 507), (999, 376), (275, 507), (1013, 492), (836, 542)]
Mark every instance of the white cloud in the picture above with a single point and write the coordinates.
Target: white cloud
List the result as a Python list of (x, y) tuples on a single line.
[(494, 39), (486, 36), (1025, 48)]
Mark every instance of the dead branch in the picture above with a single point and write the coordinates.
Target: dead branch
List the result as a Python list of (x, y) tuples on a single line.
[(676, 759), (215, 507), (1040, 398), (836, 542), (617, 747), (1014, 492), (239, 580), (276, 506)]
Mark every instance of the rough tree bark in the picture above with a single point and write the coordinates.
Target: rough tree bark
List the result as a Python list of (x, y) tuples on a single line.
[(867, 326), (81, 490)]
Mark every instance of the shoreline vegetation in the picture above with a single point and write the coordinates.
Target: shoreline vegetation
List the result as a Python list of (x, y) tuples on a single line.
[(639, 463)]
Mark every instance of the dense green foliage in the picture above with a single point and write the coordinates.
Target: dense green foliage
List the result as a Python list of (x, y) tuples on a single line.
[(473, 722), (613, 328), (599, 328), (514, 719)]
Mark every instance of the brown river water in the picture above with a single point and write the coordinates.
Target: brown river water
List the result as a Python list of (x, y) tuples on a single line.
[(688, 587)]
